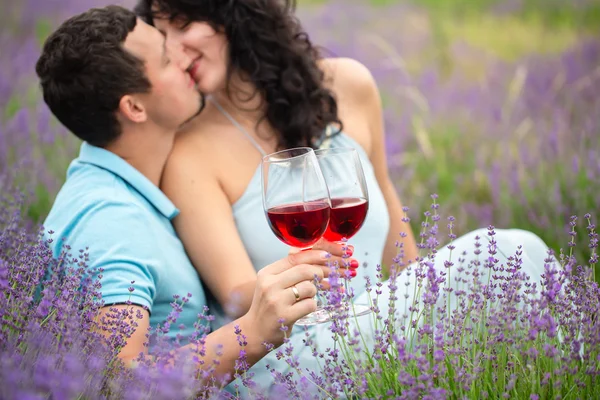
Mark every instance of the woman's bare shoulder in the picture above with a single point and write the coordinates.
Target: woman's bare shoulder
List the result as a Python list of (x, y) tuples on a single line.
[(356, 95), (347, 76)]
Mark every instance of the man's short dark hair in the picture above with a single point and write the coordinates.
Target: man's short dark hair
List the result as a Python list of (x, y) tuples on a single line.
[(85, 71)]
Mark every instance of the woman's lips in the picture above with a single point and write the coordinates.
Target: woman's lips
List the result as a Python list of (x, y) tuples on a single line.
[(194, 68)]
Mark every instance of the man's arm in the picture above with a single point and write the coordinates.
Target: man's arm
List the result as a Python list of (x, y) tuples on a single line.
[(273, 301)]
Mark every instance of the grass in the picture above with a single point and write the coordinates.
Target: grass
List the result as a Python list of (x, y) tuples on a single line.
[(508, 37)]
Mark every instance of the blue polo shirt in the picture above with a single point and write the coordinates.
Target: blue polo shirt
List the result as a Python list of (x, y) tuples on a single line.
[(124, 220)]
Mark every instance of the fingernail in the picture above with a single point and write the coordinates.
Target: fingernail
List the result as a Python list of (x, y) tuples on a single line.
[(353, 273), (354, 264), (349, 251)]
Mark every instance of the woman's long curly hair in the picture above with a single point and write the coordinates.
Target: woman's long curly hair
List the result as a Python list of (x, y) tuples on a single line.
[(267, 44)]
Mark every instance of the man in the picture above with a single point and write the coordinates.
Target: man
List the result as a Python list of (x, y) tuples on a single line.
[(112, 81)]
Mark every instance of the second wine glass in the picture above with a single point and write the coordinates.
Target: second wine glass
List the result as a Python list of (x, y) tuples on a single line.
[(349, 196)]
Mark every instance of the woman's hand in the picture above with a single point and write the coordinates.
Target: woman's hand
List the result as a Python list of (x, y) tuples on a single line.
[(339, 255)]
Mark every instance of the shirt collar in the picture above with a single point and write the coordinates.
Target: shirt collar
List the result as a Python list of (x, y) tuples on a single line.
[(111, 162)]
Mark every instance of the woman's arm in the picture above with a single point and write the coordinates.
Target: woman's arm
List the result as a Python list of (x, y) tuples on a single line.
[(207, 229), (372, 105), (358, 94)]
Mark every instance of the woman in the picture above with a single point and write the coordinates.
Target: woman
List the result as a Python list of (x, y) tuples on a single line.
[(267, 89)]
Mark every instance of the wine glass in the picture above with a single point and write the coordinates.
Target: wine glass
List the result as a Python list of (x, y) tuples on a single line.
[(296, 202), (345, 180)]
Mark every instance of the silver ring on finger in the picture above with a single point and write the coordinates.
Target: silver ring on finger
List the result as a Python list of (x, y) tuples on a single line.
[(296, 292)]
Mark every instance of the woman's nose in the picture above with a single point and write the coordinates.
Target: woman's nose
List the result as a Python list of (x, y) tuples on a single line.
[(179, 56)]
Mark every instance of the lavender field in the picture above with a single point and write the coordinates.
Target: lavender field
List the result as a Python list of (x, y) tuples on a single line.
[(494, 108), (492, 104)]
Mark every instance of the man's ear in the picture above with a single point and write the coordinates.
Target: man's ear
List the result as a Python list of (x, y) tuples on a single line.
[(132, 109)]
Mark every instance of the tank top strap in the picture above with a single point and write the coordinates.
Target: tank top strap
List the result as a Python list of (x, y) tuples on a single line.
[(237, 125), (324, 141)]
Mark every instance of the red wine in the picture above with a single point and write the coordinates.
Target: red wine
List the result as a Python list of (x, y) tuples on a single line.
[(299, 225), (347, 216)]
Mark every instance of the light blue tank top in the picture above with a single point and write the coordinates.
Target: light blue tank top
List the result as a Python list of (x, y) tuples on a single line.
[(264, 248)]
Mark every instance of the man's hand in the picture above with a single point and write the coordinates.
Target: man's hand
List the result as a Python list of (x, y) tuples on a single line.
[(274, 297)]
